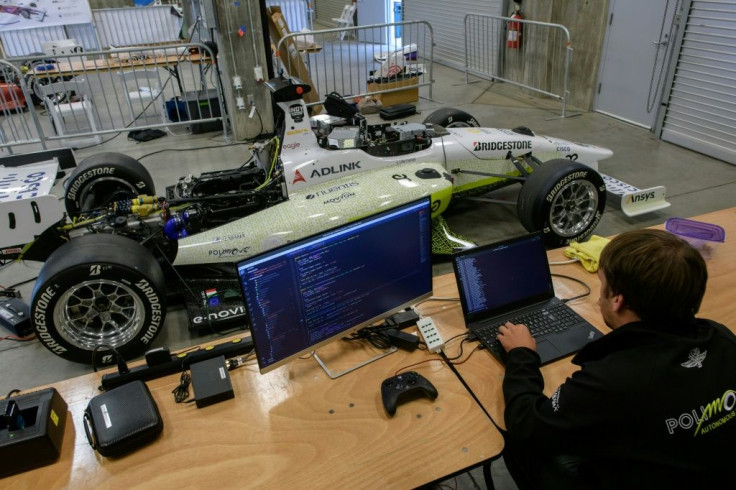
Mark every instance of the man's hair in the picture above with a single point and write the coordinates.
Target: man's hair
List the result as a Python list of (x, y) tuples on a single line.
[(658, 274)]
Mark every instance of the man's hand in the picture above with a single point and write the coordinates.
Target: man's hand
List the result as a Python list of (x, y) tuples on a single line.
[(512, 336)]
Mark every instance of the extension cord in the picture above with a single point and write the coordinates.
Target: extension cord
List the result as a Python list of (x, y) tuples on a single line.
[(430, 334)]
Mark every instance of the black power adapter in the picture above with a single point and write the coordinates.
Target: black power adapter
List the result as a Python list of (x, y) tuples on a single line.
[(402, 340), (211, 382), (403, 319)]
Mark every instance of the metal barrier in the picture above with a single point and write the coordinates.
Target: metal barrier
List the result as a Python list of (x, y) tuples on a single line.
[(538, 60), (83, 96), (359, 61), (18, 125)]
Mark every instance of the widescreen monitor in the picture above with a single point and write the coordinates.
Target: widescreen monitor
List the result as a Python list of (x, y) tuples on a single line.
[(309, 292)]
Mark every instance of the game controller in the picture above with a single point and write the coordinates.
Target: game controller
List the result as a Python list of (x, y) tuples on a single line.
[(404, 387)]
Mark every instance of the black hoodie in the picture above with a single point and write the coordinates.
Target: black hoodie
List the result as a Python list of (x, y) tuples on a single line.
[(653, 404)]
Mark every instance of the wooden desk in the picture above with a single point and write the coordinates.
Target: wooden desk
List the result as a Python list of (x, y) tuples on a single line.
[(79, 67), (123, 61), (293, 427), (484, 374)]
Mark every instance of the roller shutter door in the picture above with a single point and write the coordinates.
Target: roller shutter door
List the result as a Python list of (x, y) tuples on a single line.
[(326, 10), (447, 20), (701, 107)]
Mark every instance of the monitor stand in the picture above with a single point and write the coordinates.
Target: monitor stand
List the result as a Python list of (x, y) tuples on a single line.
[(334, 374)]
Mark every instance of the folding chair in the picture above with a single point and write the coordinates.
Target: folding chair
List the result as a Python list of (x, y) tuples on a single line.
[(142, 90), (71, 110), (345, 20)]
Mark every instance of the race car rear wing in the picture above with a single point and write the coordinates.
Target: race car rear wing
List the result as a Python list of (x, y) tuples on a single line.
[(635, 201), (64, 156)]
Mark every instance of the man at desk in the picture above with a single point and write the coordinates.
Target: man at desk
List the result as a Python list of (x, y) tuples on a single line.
[(655, 399)]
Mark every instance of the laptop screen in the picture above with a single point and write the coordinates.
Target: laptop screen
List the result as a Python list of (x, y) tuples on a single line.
[(502, 277)]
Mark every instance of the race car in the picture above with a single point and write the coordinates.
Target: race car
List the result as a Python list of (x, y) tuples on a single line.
[(118, 251)]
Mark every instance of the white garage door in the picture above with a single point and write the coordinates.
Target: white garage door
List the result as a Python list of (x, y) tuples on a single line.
[(447, 20), (326, 10), (701, 108)]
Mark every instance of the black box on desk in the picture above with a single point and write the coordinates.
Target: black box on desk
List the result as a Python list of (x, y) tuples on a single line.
[(202, 105), (33, 435)]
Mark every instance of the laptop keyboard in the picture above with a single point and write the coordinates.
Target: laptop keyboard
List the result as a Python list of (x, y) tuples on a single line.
[(554, 319)]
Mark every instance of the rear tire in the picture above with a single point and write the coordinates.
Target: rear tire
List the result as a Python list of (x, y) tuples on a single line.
[(562, 199), (99, 289), (452, 118), (105, 178)]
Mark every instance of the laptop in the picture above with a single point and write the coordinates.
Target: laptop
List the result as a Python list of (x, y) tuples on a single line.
[(511, 281)]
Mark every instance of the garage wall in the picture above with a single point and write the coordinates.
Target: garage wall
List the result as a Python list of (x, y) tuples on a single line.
[(701, 106), (326, 10), (447, 21)]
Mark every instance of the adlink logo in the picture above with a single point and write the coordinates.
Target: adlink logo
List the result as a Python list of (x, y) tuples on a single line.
[(634, 198), (298, 177), (343, 167)]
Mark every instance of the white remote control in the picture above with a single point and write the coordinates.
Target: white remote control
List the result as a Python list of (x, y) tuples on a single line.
[(431, 335)]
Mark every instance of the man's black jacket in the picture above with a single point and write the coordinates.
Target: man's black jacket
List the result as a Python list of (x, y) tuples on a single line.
[(653, 403)]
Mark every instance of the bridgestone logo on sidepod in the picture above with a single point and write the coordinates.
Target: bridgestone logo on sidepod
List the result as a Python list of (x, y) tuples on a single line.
[(72, 192), (153, 300), (564, 182), (39, 321)]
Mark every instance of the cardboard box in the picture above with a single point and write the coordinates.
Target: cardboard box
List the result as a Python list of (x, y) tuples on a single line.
[(411, 94)]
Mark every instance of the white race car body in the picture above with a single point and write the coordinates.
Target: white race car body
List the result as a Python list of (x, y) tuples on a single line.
[(475, 149)]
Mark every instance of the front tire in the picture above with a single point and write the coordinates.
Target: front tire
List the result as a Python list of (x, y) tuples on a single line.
[(451, 118), (99, 289), (563, 199), (105, 178)]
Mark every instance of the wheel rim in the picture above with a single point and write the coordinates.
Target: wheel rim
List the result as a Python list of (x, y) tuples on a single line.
[(99, 312), (574, 208), (107, 190), (459, 124)]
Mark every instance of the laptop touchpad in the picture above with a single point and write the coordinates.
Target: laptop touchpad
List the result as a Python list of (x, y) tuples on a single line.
[(547, 351)]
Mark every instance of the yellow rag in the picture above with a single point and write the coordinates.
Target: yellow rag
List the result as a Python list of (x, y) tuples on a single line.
[(589, 253)]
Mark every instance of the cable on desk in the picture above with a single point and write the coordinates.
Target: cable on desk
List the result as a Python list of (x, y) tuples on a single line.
[(181, 392), (435, 298), (376, 336), (457, 374), (565, 262), (11, 393), (417, 364), (587, 288)]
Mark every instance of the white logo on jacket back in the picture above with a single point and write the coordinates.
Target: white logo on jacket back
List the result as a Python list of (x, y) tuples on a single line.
[(695, 359)]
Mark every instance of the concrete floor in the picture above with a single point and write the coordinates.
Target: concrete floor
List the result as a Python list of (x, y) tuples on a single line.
[(695, 184)]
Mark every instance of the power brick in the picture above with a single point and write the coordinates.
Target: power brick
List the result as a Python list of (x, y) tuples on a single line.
[(402, 340), (14, 315), (211, 382)]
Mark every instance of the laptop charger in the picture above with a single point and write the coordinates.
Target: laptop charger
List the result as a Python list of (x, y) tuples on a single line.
[(402, 340), (403, 319), (211, 382)]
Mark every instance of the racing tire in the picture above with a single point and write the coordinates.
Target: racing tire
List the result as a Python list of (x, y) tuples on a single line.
[(451, 118), (105, 178), (99, 290), (562, 199)]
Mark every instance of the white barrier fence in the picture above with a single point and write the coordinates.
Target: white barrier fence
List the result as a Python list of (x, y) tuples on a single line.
[(358, 61), (75, 99), (529, 54)]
